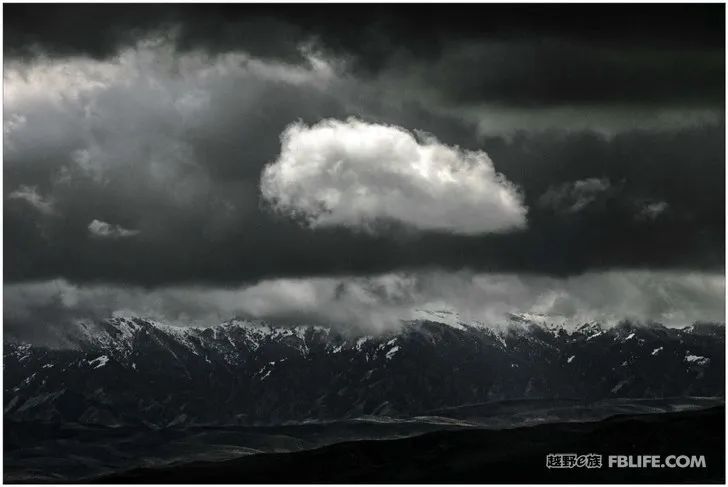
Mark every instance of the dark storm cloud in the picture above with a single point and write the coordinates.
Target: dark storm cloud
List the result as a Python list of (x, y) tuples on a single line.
[(168, 138), (524, 55), (101, 29), (551, 72), (200, 245)]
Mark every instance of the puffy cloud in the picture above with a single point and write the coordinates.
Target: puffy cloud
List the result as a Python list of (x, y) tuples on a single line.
[(375, 303), (101, 229), (357, 174)]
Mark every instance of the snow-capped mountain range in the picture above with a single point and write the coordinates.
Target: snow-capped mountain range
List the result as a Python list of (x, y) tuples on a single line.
[(129, 370)]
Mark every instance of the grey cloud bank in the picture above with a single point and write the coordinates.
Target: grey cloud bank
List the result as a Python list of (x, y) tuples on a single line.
[(378, 303)]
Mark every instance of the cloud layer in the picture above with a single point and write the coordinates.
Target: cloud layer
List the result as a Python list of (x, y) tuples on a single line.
[(168, 137), (376, 303), (356, 174)]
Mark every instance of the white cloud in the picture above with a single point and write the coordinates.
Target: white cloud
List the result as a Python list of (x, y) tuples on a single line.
[(30, 195), (101, 229), (356, 174)]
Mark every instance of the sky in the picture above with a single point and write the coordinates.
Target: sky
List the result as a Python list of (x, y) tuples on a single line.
[(353, 164)]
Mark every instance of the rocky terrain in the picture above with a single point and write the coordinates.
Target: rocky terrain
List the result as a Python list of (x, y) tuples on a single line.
[(132, 371)]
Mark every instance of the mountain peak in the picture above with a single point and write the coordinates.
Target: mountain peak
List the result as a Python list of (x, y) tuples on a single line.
[(252, 371)]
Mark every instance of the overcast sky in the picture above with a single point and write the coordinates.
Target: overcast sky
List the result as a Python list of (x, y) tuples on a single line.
[(351, 164)]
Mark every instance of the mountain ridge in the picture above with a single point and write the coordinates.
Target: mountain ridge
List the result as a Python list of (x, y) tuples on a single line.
[(130, 370)]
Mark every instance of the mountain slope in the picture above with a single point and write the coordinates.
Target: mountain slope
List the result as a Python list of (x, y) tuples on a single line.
[(134, 371), (480, 456)]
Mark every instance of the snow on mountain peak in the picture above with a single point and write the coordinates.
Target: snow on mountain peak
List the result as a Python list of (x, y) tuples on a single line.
[(444, 316)]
